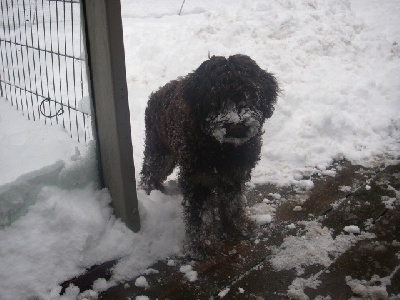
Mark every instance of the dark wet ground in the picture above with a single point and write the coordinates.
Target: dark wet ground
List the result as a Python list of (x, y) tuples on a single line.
[(352, 196)]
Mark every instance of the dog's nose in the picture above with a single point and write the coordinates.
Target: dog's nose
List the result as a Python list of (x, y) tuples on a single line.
[(236, 130)]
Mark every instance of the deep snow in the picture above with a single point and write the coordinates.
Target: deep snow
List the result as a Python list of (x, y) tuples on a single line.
[(341, 97)]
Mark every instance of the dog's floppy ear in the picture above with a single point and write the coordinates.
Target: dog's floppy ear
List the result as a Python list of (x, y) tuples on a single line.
[(269, 90), (263, 82)]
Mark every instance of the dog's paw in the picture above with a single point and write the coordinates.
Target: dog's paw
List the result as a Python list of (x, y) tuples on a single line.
[(240, 228), (202, 247), (148, 187), (204, 240)]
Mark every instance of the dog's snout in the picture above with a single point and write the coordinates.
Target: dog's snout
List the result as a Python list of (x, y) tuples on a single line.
[(236, 130)]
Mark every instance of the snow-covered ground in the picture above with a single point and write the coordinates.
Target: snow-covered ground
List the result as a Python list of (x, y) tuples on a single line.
[(337, 62), (338, 97)]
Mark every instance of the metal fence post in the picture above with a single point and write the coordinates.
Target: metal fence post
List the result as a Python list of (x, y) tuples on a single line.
[(106, 60)]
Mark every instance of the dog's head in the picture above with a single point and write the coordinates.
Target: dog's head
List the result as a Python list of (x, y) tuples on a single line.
[(230, 97)]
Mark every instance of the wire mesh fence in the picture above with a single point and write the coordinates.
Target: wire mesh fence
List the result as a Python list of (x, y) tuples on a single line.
[(42, 63)]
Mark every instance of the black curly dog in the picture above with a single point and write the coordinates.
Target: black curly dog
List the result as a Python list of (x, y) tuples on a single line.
[(209, 123)]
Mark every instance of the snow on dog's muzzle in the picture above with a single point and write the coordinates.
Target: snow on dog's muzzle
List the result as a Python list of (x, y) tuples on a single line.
[(233, 126)]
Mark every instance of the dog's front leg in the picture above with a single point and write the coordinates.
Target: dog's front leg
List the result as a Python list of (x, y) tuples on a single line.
[(201, 213), (235, 222)]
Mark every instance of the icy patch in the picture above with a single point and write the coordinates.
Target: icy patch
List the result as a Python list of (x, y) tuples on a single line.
[(317, 246), (368, 289)]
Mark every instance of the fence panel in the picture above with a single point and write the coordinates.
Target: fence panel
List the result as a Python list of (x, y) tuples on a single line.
[(42, 63)]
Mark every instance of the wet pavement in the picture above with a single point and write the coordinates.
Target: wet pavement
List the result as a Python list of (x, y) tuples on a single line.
[(368, 199)]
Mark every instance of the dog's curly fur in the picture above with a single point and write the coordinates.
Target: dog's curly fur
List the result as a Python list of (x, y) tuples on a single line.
[(209, 123)]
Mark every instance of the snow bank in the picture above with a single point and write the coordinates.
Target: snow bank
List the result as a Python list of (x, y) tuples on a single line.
[(161, 235), (67, 231), (62, 227), (17, 196)]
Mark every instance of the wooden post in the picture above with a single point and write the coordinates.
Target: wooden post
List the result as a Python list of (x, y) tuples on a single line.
[(106, 60)]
